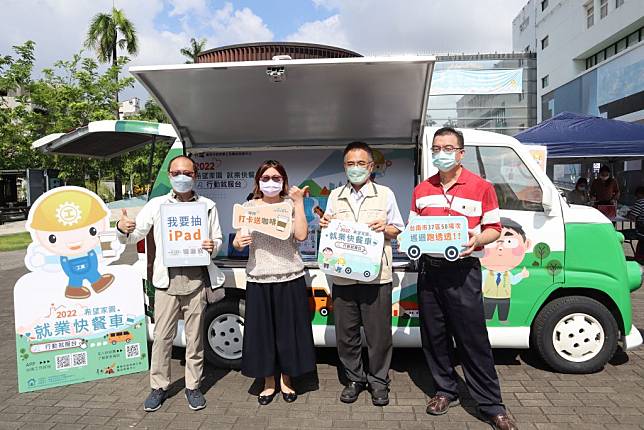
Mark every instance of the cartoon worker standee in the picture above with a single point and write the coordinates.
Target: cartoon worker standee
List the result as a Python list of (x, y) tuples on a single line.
[(67, 224), (327, 254), (499, 258)]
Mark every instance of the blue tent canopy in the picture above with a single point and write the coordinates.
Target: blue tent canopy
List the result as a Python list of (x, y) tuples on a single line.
[(570, 135)]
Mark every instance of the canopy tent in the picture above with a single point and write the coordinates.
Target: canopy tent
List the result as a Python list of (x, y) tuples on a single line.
[(571, 135)]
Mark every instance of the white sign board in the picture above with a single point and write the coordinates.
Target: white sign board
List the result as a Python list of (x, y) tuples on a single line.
[(274, 220), (350, 250), (184, 227)]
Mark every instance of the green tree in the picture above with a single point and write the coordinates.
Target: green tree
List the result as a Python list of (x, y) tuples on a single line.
[(106, 33), (192, 52), (541, 250), (554, 268)]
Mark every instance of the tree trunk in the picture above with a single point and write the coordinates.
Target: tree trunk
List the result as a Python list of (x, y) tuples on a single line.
[(118, 183)]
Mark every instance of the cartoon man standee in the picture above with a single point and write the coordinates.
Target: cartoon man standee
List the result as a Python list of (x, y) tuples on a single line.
[(67, 224), (499, 258)]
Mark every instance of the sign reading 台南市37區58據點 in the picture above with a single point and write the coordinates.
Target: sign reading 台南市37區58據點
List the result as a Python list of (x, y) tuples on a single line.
[(184, 228), (442, 236), (350, 250), (78, 317)]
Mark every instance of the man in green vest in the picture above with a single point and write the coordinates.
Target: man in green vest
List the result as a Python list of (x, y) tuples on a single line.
[(355, 303)]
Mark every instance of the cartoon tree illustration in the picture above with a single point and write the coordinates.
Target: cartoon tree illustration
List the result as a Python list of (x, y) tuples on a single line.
[(541, 250), (554, 268)]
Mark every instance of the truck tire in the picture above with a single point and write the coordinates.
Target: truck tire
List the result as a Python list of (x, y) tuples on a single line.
[(224, 333), (575, 334), (324, 312)]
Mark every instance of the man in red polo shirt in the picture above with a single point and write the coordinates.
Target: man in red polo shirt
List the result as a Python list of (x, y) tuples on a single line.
[(449, 293)]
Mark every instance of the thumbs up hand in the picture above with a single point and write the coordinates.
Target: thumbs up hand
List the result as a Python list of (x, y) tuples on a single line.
[(297, 194), (125, 224)]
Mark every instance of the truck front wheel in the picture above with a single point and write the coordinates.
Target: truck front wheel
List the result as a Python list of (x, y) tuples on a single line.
[(224, 333), (575, 334)]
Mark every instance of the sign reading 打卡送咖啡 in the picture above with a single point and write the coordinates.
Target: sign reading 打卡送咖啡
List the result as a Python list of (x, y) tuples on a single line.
[(184, 228), (274, 220), (350, 250), (78, 317)]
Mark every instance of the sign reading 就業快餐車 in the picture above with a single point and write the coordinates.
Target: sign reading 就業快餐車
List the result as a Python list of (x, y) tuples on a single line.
[(274, 220), (350, 250), (78, 317), (184, 228), (443, 236)]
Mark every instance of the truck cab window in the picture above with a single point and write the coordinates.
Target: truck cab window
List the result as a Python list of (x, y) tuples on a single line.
[(515, 186)]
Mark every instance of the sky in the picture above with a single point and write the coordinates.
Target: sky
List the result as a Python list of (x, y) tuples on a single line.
[(370, 27)]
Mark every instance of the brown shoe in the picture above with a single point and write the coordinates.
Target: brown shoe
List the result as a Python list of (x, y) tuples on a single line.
[(503, 422), (439, 404), (105, 281), (77, 293)]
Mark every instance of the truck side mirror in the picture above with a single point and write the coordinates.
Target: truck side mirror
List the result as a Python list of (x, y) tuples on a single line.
[(548, 200)]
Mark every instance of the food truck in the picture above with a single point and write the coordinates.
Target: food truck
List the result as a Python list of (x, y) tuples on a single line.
[(568, 285)]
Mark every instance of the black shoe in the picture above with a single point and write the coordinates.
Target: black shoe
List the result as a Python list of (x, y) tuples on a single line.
[(352, 391), (380, 397), (155, 400), (196, 400), (289, 397), (265, 400)]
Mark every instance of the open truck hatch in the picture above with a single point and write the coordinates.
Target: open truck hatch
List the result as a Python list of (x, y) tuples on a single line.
[(293, 102), (106, 139)]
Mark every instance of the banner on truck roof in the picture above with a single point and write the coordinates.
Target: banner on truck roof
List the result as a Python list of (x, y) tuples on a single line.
[(457, 81), (228, 179), (78, 317)]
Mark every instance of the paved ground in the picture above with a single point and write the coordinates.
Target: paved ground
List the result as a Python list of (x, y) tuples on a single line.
[(538, 398)]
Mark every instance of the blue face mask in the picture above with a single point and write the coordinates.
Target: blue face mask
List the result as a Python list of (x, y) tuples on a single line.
[(444, 161), (357, 175), (181, 183)]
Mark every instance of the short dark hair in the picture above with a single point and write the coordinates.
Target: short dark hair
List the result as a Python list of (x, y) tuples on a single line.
[(358, 145), (513, 225), (604, 168), (445, 131), (194, 164), (327, 249), (581, 181), (639, 191)]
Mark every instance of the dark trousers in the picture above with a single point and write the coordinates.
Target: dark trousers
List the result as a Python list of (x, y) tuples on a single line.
[(368, 306), (490, 305), (277, 330), (451, 306)]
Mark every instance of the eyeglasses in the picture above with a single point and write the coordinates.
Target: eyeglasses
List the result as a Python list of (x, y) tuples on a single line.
[(275, 178), (449, 149), (189, 173), (357, 163)]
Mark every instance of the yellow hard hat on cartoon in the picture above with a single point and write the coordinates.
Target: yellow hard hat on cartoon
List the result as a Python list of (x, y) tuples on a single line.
[(66, 210)]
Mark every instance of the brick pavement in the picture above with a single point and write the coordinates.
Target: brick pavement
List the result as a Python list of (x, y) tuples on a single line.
[(539, 399)]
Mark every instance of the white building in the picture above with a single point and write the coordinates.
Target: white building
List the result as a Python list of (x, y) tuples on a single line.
[(590, 56), (129, 107)]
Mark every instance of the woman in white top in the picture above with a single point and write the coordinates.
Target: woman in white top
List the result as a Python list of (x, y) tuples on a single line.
[(278, 339)]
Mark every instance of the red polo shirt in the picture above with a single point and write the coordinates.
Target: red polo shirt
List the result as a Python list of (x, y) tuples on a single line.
[(471, 196)]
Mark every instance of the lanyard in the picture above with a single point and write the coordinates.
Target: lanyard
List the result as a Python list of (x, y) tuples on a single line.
[(449, 202)]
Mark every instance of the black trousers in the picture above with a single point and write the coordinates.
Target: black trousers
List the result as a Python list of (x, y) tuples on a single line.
[(277, 330), (369, 306), (451, 306), (490, 305)]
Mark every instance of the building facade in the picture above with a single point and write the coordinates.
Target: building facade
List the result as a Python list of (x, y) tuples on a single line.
[(590, 56), (490, 109)]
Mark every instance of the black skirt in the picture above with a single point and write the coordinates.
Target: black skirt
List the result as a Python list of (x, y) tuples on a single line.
[(277, 330)]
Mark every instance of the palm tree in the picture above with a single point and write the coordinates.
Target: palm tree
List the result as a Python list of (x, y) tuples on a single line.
[(108, 32), (193, 51)]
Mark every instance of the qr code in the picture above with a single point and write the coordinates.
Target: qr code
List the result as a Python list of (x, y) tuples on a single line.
[(79, 359), (133, 350), (63, 361)]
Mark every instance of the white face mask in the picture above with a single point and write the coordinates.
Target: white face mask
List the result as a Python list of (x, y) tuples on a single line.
[(270, 188), (181, 183)]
